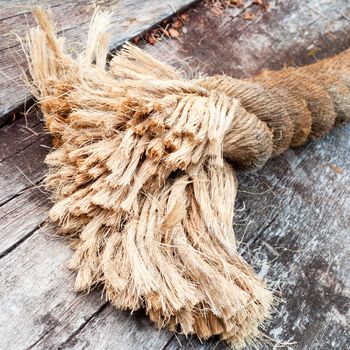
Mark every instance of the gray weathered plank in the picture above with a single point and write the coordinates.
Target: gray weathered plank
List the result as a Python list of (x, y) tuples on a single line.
[(40, 312), (296, 217), (32, 306), (130, 18), (137, 333)]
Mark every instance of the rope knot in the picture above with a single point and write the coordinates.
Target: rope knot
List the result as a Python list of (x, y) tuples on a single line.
[(191, 123)]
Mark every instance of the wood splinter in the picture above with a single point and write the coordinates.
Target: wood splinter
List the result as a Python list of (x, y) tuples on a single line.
[(142, 174)]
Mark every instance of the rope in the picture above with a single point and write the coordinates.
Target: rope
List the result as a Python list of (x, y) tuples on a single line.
[(141, 179)]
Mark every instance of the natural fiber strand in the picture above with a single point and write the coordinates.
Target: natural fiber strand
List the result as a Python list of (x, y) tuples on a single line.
[(142, 172)]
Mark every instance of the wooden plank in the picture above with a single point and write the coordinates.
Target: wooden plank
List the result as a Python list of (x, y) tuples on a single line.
[(20, 217), (23, 201), (296, 215), (34, 305), (130, 18), (23, 145), (20, 135), (288, 33), (39, 309), (137, 333)]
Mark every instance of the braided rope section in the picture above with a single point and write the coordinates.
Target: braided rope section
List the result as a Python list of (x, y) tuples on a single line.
[(140, 180)]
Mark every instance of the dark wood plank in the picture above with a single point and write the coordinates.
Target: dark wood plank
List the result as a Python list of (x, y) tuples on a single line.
[(130, 18), (294, 225), (289, 33), (20, 135), (24, 168)]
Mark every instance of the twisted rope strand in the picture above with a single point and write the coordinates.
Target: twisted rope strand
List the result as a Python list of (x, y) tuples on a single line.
[(140, 178)]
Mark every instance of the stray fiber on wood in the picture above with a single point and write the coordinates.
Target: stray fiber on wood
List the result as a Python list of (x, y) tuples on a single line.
[(143, 178)]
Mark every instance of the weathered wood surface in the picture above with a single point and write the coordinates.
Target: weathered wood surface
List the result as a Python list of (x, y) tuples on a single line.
[(130, 18), (293, 217)]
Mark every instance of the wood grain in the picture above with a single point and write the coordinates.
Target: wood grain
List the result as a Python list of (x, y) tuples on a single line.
[(292, 218), (130, 18)]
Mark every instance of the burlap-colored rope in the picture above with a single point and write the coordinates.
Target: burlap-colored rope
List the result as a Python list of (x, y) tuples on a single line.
[(140, 179)]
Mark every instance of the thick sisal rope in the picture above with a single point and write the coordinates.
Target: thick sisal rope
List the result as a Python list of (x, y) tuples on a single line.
[(141, 179)]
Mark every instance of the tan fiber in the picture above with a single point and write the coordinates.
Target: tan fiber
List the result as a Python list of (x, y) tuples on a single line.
[(140, 173)]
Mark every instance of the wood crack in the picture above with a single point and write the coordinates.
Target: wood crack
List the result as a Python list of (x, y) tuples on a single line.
[(263, 230), (21, 240), (77, 331), (19, 151), (34, 184), (168, 342), (82, 326)]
